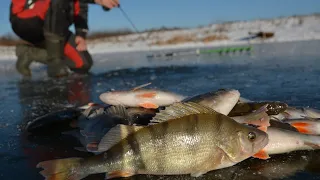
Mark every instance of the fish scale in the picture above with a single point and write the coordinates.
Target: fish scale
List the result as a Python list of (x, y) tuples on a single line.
[(162, 154)]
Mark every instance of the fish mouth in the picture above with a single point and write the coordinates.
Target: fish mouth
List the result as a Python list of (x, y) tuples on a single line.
[(227, 93), (234, 92), (109, 98), (234, 95), (229, 90)]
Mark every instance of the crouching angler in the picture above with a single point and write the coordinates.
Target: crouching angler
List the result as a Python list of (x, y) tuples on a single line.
[(44, 26)]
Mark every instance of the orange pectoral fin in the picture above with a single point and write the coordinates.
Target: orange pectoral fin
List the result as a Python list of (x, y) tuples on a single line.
[(147, 95), (261, 155), (301, 127), (117, 174), (149, 105), (263, 128)]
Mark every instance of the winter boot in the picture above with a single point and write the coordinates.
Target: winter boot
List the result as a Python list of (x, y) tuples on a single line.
[(55, 49), (26, 54)]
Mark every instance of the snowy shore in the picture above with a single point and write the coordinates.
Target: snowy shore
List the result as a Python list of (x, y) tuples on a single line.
[(298, 28)]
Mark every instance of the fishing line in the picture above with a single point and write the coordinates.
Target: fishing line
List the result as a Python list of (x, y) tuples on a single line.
[(126, 16), (136, 31), (128, 19), (131, 22)]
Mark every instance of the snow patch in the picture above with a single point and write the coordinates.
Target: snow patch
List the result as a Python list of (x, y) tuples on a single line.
[(296, 28)]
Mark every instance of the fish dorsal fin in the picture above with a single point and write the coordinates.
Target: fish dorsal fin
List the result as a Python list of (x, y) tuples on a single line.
[(92, 110), (95, 112), (180, 109), (87, 112), (140, 87), (115, 135), (117, 110), (120, 111)]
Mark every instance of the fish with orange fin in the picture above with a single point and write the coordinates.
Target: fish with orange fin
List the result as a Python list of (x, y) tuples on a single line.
[(221, 101), (140, 97), (188, 140), (306, 125), (259, 118), (284, 141)]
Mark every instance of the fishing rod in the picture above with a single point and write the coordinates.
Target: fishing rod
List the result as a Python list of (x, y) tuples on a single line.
[(131, 22)]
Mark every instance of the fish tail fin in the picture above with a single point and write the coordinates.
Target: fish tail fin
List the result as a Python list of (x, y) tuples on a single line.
[(259, 118), (303, 127), (140, 87), (61, 169)]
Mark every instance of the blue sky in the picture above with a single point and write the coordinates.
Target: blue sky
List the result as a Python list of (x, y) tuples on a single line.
[(185, 13)]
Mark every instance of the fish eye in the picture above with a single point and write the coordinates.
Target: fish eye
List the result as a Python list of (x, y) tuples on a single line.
[(251, 136)]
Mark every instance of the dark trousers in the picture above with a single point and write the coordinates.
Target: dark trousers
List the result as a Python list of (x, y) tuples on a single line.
[(57, 20)]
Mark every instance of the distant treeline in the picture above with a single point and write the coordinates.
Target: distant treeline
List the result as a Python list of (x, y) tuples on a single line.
[(11, 40)]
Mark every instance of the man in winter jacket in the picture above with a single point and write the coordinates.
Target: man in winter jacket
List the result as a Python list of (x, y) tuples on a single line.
[(44, 25)]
